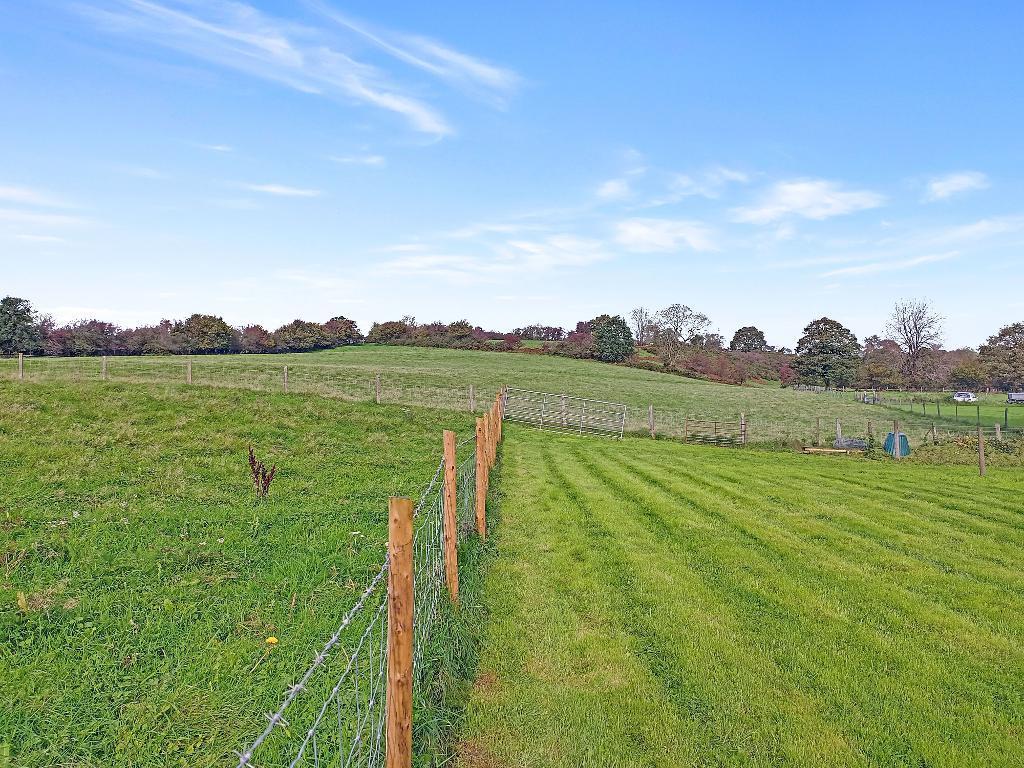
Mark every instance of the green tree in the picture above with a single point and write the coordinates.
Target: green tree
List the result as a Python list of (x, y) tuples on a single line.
[(206, 334), (613, 341), (970, 374), (19, 331), (299, 336), (827, 354), (1003, 357), (749, 339)]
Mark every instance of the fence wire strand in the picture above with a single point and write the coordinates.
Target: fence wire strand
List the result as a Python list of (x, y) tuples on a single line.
[(347, 727)]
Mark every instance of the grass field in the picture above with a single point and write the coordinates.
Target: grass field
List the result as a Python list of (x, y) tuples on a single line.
[(139, 580), (990, 408), (441, 378), (653, 604)]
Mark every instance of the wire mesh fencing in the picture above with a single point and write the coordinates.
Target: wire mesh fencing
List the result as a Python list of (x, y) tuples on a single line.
[(264, 373), (336, 713)]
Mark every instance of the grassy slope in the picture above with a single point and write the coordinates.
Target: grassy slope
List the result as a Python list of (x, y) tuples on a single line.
[(152, 579), (662, 605), (441, 377)]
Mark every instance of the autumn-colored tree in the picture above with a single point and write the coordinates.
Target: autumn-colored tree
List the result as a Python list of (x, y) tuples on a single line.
[(340, 331), (255, 339), (387, 332), (299, 336), (206, 334)]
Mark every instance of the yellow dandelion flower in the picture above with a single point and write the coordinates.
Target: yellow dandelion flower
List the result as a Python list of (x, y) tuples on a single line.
[(271, 640)]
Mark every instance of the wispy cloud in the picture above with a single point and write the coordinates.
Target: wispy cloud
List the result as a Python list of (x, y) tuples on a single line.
[(143, 172), (643, 235), (511, 256), (493, 83), (237, 36), (368, 159), (216, 147), (42, 239), (945, 187), (42, 219), (19, 195), (891, 265), (282, 190), (614, 189), (816, 199)]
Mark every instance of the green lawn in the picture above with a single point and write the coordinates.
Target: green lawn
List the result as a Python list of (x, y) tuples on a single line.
[(441, 378), (653, 604), (139, 580)]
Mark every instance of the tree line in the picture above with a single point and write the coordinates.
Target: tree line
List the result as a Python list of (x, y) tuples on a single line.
[(24, 330), (676, 339)]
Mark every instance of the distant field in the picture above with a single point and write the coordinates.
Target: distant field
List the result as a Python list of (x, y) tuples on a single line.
[(441, 378), (139, 580), (654, 604), (990, 408)]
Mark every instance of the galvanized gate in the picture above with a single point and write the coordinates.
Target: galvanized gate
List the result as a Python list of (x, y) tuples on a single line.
[(565, 413)]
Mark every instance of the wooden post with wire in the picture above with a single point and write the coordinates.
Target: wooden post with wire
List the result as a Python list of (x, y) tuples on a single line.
[(743, 429), (451, 530), (897, 449), (472, 398), (188, 372), (286, 378), (376, 388), (999, 433), (481, 479), (103, 368), (981, 452), (650, 419), (400, 634), (21, 366)]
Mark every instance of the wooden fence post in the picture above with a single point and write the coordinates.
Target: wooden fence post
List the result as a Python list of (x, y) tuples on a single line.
[(999, 433), (472, 399), (564, 419), (286, 378), (376, 388), (103, 368), (188, 372), (21, 366), (897, 449), (839, 430), (935, 437), (871, 433), (981, 452), (481, 480), (743, 429), (400, 634), (978, 408), (650, 419), (451, 530), (817, 430), (686, 428), (1006, 418)]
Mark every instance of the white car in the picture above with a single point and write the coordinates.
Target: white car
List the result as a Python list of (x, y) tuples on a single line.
[(965, 397)]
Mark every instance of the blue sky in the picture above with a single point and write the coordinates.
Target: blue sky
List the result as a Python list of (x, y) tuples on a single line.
[(514, 163)]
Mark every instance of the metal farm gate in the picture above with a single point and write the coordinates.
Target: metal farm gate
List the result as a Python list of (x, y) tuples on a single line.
[(565, 413)]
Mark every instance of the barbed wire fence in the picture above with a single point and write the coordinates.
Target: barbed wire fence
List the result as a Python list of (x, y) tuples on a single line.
[(337, 712)]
